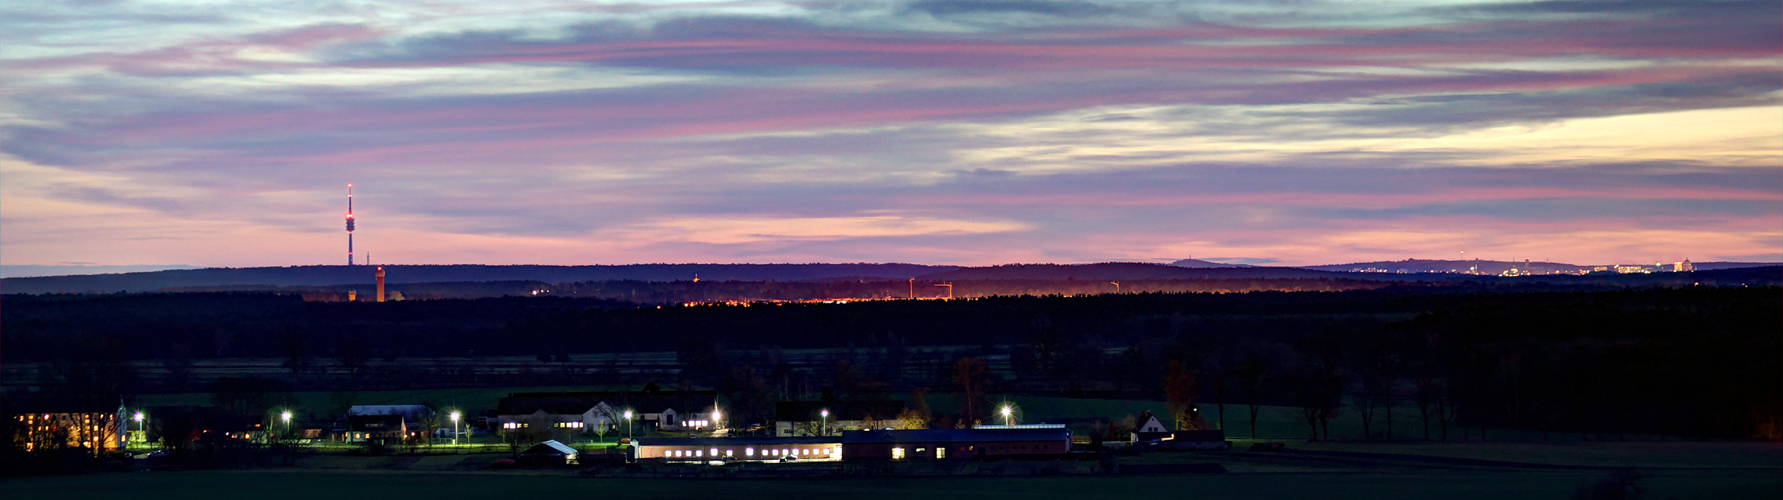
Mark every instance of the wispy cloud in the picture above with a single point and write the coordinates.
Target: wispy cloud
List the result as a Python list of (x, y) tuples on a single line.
[(956, 132)]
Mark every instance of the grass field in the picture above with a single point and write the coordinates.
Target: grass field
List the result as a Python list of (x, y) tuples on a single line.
[(309, 484), (1329, 470)]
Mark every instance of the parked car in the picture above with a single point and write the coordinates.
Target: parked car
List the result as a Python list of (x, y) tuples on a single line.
[(505, 463)]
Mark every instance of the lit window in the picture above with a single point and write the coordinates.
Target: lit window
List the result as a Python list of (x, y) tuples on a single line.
[(897, 453), (749, 452), (727, 453), (699, 453), (940, 453), (715, 452)]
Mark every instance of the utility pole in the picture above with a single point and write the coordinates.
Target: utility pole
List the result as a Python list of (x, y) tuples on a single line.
[(1117, 286), (912, 288), (949, 289)]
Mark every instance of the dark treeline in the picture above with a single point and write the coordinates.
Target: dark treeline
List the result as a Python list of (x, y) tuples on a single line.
[(1700, 361), (681, 292), (708, 291)]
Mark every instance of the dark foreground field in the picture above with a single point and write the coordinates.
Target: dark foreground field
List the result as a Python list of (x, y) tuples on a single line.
[(308, 484), (1331, 471)]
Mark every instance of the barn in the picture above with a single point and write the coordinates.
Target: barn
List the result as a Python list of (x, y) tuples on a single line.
[(1009, 441)]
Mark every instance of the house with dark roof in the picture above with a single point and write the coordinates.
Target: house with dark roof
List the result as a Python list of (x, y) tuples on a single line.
[(386, 422), (806, 418)]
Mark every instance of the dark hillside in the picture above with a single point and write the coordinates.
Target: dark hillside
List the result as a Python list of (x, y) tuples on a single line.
[(347, 275)]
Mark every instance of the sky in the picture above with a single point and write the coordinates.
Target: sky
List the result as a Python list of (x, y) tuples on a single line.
[(970, 132)]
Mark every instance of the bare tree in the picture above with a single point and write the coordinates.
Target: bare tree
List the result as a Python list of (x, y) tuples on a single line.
[(1179, 396), (969, 374), (351, 355), (1251, 373), (608, 420), (1424, 393), (1445, 407), (1218, 378), (178, 366), (1318, 391), (1363, 402), (295, 349)]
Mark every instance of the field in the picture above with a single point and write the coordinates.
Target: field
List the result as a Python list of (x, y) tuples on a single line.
[(1337, 471)]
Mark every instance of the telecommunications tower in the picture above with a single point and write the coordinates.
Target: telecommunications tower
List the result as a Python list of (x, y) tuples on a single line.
[(349, 224)]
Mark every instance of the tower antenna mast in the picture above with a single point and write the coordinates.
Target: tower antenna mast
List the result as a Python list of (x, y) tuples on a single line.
[(349, 224)]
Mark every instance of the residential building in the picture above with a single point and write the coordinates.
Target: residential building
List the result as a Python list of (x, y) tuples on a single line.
[(68, 423), (587, 411), (387, 422)]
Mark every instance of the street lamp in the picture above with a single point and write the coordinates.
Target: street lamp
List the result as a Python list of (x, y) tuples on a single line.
[(825, 430), (286, 416), (717, 416), (1008, 414), (454, 417), (628, 424), (138, 418)]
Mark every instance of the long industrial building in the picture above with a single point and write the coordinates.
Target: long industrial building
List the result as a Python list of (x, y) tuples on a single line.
[(865, 445)]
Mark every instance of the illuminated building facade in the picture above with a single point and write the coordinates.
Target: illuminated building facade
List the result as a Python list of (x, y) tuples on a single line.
[(63, 425)]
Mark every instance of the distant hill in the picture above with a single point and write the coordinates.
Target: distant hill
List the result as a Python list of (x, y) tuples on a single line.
[(1125, 271), (1198, 263), (1711, 266), (349, 275), (12, 271), (1494, 267), (1491, 267)]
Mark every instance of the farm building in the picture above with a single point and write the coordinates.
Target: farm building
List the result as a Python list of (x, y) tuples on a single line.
[(957, 444), (883, 444), (1198, 440), (745, 449), (550, 452)]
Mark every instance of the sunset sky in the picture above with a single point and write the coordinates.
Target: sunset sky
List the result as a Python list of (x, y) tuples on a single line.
[(223, 133)]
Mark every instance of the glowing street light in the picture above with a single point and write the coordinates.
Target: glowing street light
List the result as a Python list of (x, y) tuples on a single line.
[(1008, 415), (286, 416), (825, 430), (138, 418), (628, 424), (717, 418), (454, 417)]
